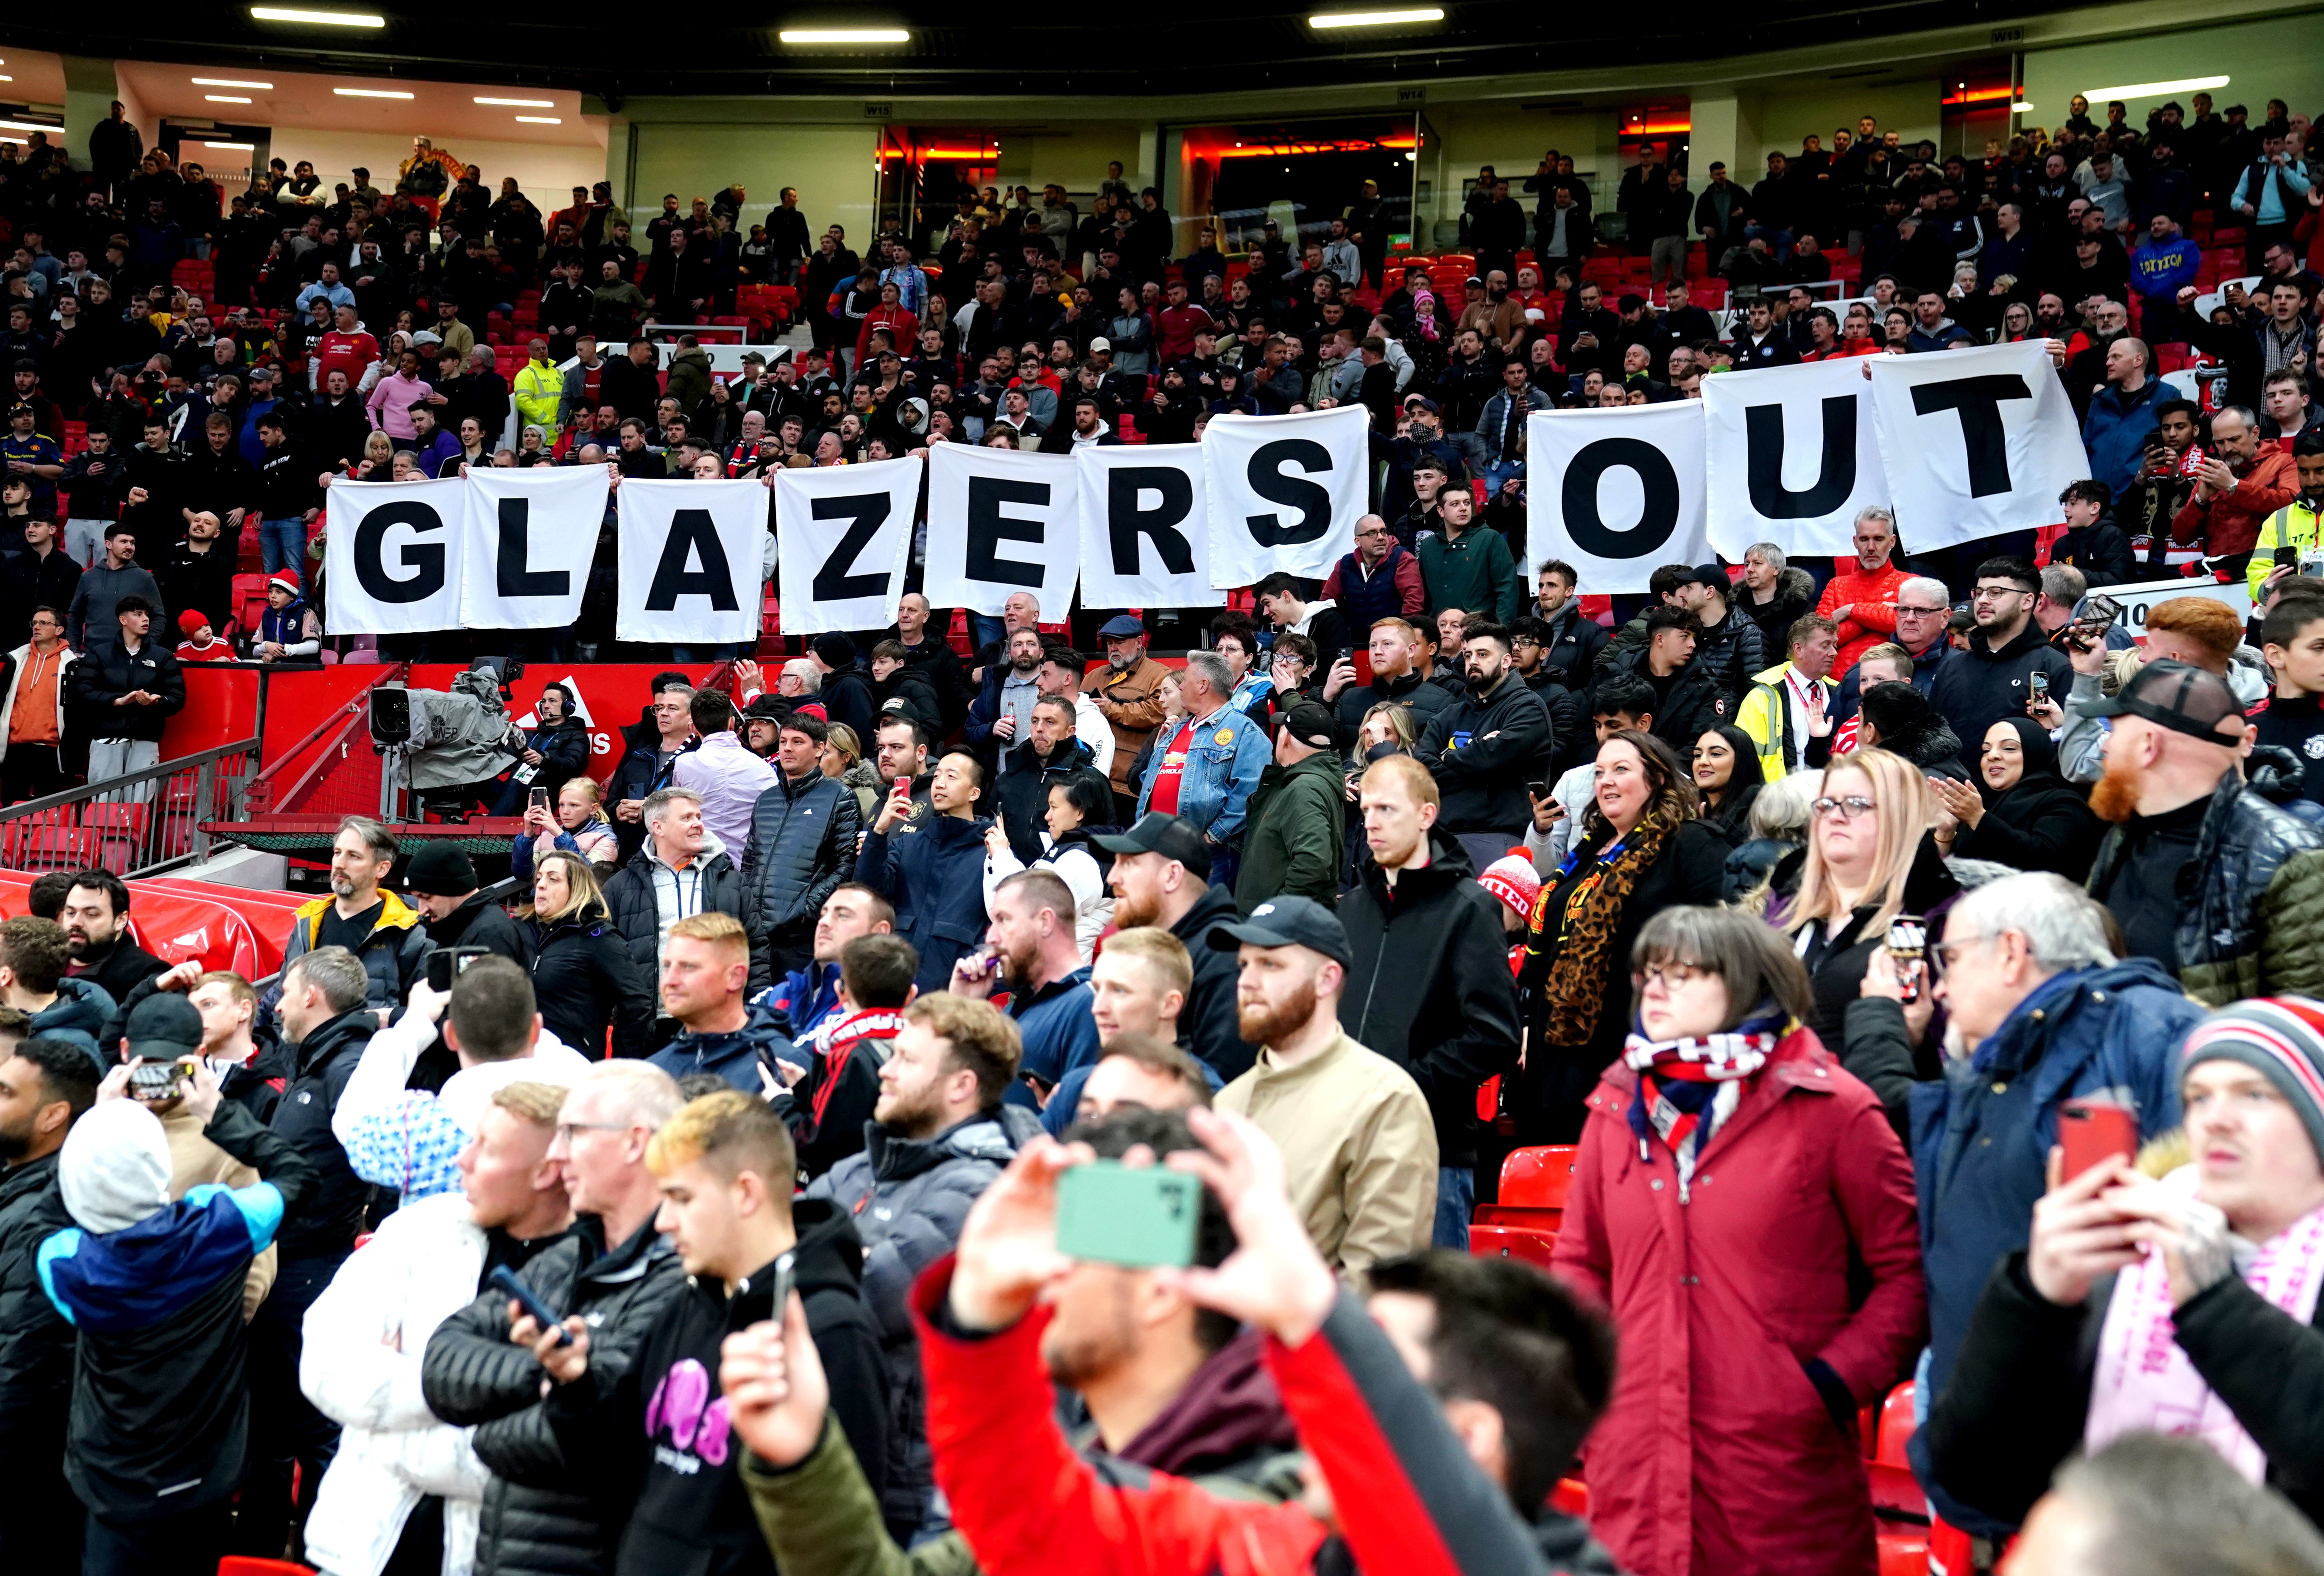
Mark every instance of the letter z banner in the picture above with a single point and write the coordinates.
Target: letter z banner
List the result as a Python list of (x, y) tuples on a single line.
[(1977, 442), (846, 532), (1615, 492), (393, 553), (693, 554)]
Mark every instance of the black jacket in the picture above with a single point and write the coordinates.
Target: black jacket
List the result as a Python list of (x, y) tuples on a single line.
[(36, 1360), (586, 981), (637, 912), (1424, 699), (161, 1406), (197, 580), (1430, 988), (640, 1434), (1977, 687), (1696, 702), (2020, 1393), (2102, 552), (540, 1516), (318, 1070), (1484, 750), (1734, 652), (1575, 642), (1208, 1022), (846, 697), (120, 967), (564, 753), (481, 922), (1021, 791), (802, 845), (934, 659), (911, 689), (107, 671), (2040, 823)]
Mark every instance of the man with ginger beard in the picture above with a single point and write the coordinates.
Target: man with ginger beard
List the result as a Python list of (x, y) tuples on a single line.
[(2231, 927), (1358, 1146)]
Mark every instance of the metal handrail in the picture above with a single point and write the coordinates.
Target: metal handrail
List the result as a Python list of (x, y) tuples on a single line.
[(334, 719), (111, 786)]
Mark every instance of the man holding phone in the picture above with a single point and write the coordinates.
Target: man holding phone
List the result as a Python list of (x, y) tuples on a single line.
[(2047, 1015), (725, 1167)]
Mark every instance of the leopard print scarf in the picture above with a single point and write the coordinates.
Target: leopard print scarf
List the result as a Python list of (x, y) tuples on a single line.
[(1575, 989)]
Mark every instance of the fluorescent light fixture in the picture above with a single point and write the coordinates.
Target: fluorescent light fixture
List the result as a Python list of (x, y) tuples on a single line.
[(26, 126), (520, 103), (1375, 18), (234, 147), (225, 82), (2020, 107), (2156, 89), (844, 35), (371, 93), (318, 18), (540, 120), (223, 98)]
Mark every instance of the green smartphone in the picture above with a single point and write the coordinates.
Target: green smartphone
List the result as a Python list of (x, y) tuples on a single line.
[(1138, 1218)]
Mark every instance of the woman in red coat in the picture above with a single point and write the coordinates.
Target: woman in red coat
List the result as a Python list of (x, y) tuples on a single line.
[(1730, 1176)]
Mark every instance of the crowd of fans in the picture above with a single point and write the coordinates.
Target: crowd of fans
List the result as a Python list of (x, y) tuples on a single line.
[(1825, 917)]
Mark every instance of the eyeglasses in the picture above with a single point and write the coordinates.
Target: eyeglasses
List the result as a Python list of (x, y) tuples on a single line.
[(1672, 974), (1987, 593), (1848, 808), (1904, 608)]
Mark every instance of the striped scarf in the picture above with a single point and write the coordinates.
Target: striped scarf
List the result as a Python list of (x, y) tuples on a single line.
[(1680, 1082)]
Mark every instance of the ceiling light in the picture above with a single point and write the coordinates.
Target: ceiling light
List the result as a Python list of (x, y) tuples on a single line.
[(234, 147), (318, 18), (520, 103), (222, 98), (26, 126), (540, 120), (2020, 107), (371, 93), (2156, 89), (225, 82), (1375, 18), (844, 35)]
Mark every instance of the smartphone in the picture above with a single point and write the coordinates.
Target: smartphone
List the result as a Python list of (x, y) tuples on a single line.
[(2287, 555), (155, 1079), (785, 1277), (1539, 791), (2039, 683), (2095, 1129), (538, 799), (504, 1279), (1363, 665), (1908, 944), (445, 964), (1140, 1219), (2099, 613)]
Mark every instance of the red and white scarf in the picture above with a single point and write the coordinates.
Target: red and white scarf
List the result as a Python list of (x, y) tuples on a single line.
[(2145, 1379), (1675, 1076)]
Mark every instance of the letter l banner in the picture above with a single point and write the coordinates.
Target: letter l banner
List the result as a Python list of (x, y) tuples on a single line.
[(529, 544)]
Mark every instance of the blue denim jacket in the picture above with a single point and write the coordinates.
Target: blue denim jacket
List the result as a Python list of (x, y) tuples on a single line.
[(1226, 753)]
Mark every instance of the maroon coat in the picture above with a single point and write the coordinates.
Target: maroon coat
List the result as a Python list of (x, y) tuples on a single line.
[(1718, 1456)]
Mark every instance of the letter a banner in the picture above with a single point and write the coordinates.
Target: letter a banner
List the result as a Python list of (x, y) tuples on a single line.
[(1001, 521), (1146, 527), (529, 544), (692, 555), (1977, 442), (846, 532), (393, 553), (1615, 492), (1286, 492), (1792, 456)]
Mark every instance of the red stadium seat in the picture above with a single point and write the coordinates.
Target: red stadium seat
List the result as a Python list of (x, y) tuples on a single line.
[(251, 1565), (1896, 1425), (1512, 1243), (1538, 1178)]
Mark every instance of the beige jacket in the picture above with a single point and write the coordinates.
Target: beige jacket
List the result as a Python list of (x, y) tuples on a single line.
[(195, 1160), (1359, 1149)]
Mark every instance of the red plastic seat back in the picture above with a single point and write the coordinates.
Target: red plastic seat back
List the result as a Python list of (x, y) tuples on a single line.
[(250, 1565), (1511, 1242), (1538, 1178), (1895, 1426)]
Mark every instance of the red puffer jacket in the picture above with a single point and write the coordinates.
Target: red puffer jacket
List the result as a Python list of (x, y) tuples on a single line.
[(1871, 601), (1719, 1454)]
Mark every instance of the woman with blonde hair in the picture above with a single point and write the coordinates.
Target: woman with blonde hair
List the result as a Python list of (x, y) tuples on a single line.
[(843, 758), (1870, 857), (582, 975), (578, 826)]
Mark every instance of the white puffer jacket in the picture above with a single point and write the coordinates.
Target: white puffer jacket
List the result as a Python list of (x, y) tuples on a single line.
[(364, 1338)]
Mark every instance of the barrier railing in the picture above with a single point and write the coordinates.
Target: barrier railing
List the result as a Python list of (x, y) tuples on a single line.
[(137, 824)]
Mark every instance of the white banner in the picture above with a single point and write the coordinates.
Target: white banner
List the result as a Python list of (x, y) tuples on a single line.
[(2137, 601), (1616, 493), (1975, 442), (1792, 455), (1286, 492), (846, 535), (529, 545), (1146, 527), (393, 554), (1001, 521), (692, 558)]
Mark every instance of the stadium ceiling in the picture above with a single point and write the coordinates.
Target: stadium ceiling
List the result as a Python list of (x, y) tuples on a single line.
[(619, 51)]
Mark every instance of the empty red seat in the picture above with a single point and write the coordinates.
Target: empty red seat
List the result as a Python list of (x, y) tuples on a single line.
[(1512, 1243), (1538, 1178)]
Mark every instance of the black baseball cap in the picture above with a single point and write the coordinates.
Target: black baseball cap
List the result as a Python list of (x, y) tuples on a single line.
[(1166, 835), (1312, 724), (1712, 574), (164, 1025), (1288, 922), (2177, 695)]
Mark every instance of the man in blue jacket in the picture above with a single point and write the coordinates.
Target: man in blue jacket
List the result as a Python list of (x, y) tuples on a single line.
[(1204, 772), (929, 862), (2161, 265), (2122, 414), (2042, 1014)]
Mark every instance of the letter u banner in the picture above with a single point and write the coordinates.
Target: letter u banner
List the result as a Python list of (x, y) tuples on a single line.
[(1800, 441)]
